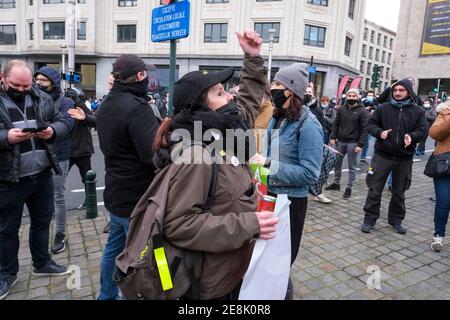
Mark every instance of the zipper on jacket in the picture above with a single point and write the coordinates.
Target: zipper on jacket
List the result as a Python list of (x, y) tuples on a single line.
[(398, 126)]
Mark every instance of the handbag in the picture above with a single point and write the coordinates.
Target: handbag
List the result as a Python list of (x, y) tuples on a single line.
[(438, 166)]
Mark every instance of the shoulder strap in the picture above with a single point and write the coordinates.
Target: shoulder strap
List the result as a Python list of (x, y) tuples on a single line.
[(212, 186)]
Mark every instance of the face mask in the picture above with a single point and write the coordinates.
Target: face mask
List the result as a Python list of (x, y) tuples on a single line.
[(352, 102), (370, 99), (324, 106), (307, 98), (143, 87), (43, 88), (230, 108), (15, 94), (427, 106), (279, 98)]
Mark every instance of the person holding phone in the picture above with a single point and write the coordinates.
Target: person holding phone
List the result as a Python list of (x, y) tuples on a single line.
[(26, 160)]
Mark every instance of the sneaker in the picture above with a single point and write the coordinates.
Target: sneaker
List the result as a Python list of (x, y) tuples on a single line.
[(367, 228), (6, 284), (81, 207), (333, 187), (438, 244), (59, 245), (363, 161), (399, 229), (348, 193), (51, 269), (322, 199)]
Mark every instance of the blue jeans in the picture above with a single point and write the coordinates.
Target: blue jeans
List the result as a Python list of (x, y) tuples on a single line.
[(365, 151), (118, 231), (442, 188), (37, 194)]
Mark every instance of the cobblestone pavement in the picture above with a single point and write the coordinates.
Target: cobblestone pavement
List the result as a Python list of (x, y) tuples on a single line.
[(333, 261)]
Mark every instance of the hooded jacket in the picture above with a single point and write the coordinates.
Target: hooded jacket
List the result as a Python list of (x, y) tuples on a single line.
[(409, 119), (62, 144), (440, 131)]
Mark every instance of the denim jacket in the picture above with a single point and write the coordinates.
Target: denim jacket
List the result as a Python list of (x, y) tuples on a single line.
[(295, 152)]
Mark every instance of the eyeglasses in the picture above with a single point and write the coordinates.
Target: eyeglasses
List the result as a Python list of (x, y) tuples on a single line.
[(41, 80)]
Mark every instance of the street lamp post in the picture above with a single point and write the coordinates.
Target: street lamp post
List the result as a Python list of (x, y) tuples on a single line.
[(63, 64), (71, 37), (271, 40)]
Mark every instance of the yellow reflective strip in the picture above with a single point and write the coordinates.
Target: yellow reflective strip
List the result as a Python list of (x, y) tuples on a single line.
[(163, 268)]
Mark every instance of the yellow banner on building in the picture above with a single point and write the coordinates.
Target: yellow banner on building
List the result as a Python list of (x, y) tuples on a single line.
[(436, 39)]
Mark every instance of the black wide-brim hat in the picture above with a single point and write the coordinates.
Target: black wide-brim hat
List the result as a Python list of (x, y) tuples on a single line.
[(191, 87)]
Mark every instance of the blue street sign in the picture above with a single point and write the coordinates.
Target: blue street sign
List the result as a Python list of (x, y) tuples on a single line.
[(171, 22), (313, 69)]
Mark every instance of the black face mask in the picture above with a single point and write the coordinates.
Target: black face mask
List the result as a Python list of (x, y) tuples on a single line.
[(143, 87), (307, 98), (279, 98), (43, 88), (17, 95), (352, 102), (230, 108)]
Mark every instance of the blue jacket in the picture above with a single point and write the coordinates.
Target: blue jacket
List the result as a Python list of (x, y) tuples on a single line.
[(296, 153), (62, 144)]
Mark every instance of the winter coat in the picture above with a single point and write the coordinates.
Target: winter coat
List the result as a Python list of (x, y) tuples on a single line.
[(350, 125), (47, 114), (126, 129), (440, 131)]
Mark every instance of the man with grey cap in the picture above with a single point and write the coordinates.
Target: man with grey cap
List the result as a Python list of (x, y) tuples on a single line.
[(350, 136), (293, 149)]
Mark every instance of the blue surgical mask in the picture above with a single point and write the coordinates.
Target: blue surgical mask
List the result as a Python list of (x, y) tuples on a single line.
[(370, 99)]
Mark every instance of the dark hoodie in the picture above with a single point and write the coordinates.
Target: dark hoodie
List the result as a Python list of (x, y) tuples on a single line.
[(63, 104), (404, 117)]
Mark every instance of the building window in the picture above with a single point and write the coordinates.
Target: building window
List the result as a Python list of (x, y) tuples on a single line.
[(81, 30), (371, 53), (31, 30), (127, 3), (54, 30), (351, 9), (389, 58), (379, 39), (385, 41), (7, 34), (364, 50), (7, 4), (348, 46), (366, 34), (361, 67), (216, 33), (369, 68), (391, 44), (377, 55), (126, 33), (53, 1), (372, 36), (314, 36), (383, 57), (263, 30), (217, 1), (323, 3)]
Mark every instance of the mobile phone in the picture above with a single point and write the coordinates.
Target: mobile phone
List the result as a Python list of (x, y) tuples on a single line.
[(40, 129), (29, 130)]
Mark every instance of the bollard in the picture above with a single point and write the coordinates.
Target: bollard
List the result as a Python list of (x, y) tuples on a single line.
[(91, 195)]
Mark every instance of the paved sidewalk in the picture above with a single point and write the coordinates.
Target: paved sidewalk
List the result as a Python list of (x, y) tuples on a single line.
[(333, 261)]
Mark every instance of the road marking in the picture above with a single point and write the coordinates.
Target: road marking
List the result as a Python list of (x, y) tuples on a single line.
[(82, 190)]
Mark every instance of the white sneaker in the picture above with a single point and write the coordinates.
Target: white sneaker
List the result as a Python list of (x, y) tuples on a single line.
[(322, 199), (438, 244)]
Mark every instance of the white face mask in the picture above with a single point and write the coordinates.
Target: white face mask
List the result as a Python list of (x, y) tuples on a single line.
[(427, 106)]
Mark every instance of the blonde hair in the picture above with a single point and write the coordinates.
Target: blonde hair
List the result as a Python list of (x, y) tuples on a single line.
[(443, 106)]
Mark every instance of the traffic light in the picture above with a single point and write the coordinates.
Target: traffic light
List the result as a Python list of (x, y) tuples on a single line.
[(376, 77)]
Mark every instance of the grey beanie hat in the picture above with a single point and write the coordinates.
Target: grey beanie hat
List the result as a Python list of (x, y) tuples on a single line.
[(353, 90), (295, 78)]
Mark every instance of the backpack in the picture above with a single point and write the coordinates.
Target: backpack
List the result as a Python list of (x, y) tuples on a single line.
[(151, 268)]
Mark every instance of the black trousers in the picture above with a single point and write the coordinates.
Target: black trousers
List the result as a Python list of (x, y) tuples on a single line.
[(401, 182), (83, 164), (297, 212), (37, 193)]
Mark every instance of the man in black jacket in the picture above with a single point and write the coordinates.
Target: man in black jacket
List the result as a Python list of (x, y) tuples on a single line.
[(350, 136), (398, 126), (126, 128), (29, 125)]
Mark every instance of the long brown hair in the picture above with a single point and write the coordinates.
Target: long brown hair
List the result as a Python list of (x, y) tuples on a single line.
[(161, 138)]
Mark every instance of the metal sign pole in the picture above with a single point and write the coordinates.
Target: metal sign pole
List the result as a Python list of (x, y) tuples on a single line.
[(173, 69)]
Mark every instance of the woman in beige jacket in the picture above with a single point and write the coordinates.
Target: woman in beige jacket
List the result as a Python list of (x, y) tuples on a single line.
[(440, 131)]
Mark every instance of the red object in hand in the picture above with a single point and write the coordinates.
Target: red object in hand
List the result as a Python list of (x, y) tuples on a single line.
[(267, 204)]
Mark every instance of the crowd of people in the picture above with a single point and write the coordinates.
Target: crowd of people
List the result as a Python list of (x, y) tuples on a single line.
[(44, 132)]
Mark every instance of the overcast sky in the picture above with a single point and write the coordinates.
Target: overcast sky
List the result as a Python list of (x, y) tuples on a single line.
[(383, 12)]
